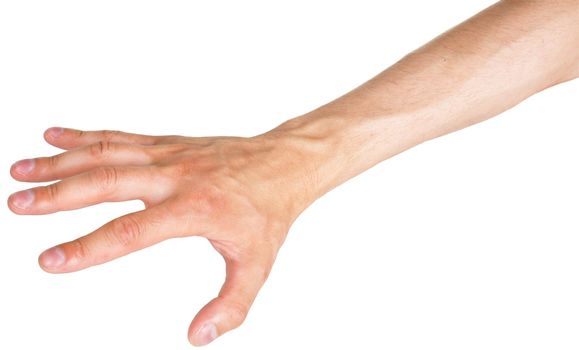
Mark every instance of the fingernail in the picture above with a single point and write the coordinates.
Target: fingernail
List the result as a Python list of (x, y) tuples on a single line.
[(54, 132), (23, 199), (206, 334), (24, 167), (53, 257)]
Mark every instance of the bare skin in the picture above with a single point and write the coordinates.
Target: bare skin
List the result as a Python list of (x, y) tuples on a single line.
[(243, 194)]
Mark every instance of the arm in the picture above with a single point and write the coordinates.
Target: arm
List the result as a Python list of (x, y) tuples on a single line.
[(243, 194), (475, 71)]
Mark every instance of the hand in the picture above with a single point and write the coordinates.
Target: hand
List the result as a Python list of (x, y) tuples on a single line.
[(242, 194)]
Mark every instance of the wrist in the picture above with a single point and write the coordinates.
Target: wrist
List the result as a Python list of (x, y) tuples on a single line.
[(334, 146)]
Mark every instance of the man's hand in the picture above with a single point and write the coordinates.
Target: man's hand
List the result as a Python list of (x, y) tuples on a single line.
[(242, 194)]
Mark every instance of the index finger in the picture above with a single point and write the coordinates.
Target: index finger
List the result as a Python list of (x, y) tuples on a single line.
[(117, 238)]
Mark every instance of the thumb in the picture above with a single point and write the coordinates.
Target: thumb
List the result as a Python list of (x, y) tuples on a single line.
[(229, 309)]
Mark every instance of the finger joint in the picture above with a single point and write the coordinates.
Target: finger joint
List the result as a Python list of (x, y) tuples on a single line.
[(80, 250), (106, 178), (101, 149), (110, 135), (126, 231), (52, 192)]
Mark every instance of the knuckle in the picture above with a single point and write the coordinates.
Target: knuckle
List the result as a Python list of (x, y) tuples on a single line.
[(101, 149), (168, 140), (105, 178), (52, 162), (260, 271), (263, 274), (52, 192), (171, 149), (125, 231), (109, 135), (237, 312), (209, 201), (80, 249), (181, 169)]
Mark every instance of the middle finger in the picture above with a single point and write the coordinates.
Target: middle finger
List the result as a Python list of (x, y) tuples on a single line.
[(105, 184), (81, 160)]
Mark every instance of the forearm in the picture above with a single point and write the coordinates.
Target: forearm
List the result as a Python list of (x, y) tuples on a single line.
[(475, 71)]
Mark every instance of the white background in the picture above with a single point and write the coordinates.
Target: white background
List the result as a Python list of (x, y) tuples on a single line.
[(466, 242)]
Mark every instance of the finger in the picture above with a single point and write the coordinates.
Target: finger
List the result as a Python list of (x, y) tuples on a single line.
[(117, 238), (106, 184), (103, 153), (71, 138), (230, 308)]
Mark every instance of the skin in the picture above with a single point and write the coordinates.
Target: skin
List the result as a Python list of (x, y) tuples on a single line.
[(243, 194)]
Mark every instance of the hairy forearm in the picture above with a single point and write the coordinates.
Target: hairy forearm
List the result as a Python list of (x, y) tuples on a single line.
[(477, 70)]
